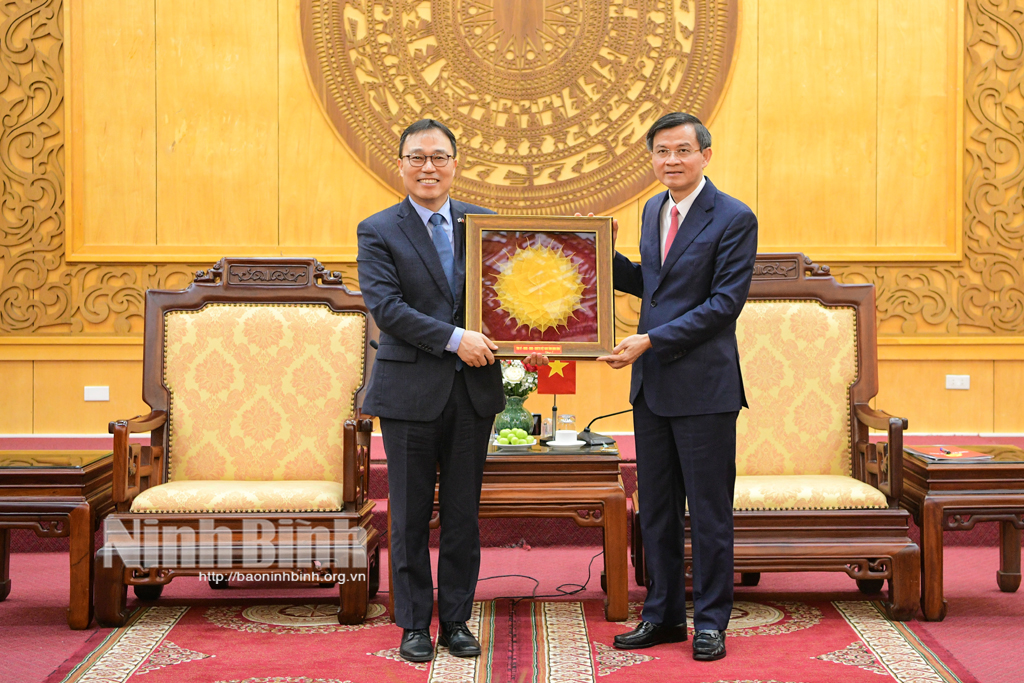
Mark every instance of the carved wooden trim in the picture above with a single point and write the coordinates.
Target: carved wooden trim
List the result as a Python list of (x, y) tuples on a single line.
[(212, 275), (781, 269), (279, 276), (964, 519)]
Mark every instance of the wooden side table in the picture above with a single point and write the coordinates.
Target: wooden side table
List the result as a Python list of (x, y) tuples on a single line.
[(954, 496), (581, 484), (56, 494)]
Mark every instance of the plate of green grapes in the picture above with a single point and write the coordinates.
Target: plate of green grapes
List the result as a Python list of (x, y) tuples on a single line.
[(514, 440)]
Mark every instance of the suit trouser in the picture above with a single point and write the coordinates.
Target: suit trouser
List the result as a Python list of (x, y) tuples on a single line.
[(680, 458), (457, 441)]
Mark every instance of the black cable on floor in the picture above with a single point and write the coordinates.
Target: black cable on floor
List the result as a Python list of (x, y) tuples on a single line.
[(561, 590)]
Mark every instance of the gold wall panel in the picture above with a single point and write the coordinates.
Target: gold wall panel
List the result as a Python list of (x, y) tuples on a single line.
[(919, 127), (324, 192), (917, 391), (115, 179), (59, 406), (217, 124), (16, 397), (1009, 378), (858, 149), (816, 124)]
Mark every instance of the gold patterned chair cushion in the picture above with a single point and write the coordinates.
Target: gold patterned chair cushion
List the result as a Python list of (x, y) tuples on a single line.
[(799, 359), (261, 391), (241, 496), (805, 492)]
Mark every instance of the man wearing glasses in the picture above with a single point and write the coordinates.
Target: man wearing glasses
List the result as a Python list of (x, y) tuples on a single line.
[(435, 387), (697, 251)]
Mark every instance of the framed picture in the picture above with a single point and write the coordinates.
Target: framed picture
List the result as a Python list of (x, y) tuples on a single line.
[(541, 283)]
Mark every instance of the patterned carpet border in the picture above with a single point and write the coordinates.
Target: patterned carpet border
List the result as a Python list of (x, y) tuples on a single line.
[(524, 641)]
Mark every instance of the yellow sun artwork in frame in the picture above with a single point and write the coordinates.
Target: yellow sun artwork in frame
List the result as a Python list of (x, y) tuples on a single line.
[(539, 287)]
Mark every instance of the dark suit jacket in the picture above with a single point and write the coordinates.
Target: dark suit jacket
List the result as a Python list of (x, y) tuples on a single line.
[(404, 286), (690, 305)]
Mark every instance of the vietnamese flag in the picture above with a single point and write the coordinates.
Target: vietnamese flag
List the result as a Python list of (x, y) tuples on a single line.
[(557, 378)]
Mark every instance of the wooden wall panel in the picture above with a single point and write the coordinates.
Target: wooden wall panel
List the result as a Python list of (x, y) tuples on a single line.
[(917, 391), (116, 141), (734, 129), (217, 130), (58, 388), (1008, 397), (917, 120), (16, 397), (325, 191), (243, 156), (817, 66)]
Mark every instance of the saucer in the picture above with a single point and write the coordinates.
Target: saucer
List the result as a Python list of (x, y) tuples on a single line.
[(567, 444)]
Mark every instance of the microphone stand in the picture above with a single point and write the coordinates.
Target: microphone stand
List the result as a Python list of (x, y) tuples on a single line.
[(593, 438)]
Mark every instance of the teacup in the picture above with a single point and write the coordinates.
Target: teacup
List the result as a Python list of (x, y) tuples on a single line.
[(565, 436)]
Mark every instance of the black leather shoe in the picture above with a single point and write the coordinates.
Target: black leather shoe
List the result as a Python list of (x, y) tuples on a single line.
[(708, 645), (457, 638), (648, 634), (416, 645)]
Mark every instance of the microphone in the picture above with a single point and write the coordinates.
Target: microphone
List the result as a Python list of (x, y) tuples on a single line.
[(595, 439), (374, 344)]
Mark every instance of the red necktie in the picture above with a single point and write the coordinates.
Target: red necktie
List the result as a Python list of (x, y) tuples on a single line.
[(673, 228)]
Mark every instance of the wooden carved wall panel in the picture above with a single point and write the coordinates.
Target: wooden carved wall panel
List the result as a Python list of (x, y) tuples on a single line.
[(32, 204), (910, 300), (984, 293), (40, 293), (992, 296), (549, 99)]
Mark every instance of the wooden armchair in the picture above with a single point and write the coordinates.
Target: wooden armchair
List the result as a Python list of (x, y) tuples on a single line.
[(812, 493), (259, 456)]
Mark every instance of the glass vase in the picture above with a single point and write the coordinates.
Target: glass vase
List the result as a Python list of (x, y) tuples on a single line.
[(514, 416)]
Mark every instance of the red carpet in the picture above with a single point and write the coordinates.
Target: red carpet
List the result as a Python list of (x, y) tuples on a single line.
[(981, 635), (523, 641)]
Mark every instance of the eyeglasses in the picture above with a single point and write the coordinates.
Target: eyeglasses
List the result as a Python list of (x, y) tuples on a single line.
[(417, 160), (680, 154)]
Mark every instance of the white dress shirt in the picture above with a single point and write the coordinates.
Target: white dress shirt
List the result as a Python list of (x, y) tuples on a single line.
[(684, 207)]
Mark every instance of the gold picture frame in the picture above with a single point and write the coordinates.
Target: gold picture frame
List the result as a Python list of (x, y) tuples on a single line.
[(541, 284)]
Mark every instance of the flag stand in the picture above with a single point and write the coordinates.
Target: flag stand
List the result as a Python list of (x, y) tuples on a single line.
[(554, 415)]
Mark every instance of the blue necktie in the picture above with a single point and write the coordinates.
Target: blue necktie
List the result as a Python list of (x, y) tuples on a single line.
[(444, 249), (447, 256)]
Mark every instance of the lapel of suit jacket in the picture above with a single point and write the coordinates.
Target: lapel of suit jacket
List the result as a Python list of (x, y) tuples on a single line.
[(650, 237), (459, 234), (410, 223), (697, 218)]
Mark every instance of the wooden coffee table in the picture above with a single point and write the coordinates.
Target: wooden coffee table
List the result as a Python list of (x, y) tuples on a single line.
[(582, 484), (56, 494), (955, 496)]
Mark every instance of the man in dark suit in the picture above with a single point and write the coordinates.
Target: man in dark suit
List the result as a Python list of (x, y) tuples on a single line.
[(697, 251), (435, 387)]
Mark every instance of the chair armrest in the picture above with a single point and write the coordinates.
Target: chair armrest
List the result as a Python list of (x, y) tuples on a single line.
[(882, 461), (356, 461), (878, 419), (136, 467)]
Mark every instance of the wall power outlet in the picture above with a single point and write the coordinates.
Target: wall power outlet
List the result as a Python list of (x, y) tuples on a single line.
[(97, 393), (960, 382)]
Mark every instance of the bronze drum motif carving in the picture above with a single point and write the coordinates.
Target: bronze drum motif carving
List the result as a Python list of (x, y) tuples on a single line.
[(550, 99)]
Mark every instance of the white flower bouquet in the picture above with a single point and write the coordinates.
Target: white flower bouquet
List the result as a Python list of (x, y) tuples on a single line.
[(517, 378)]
